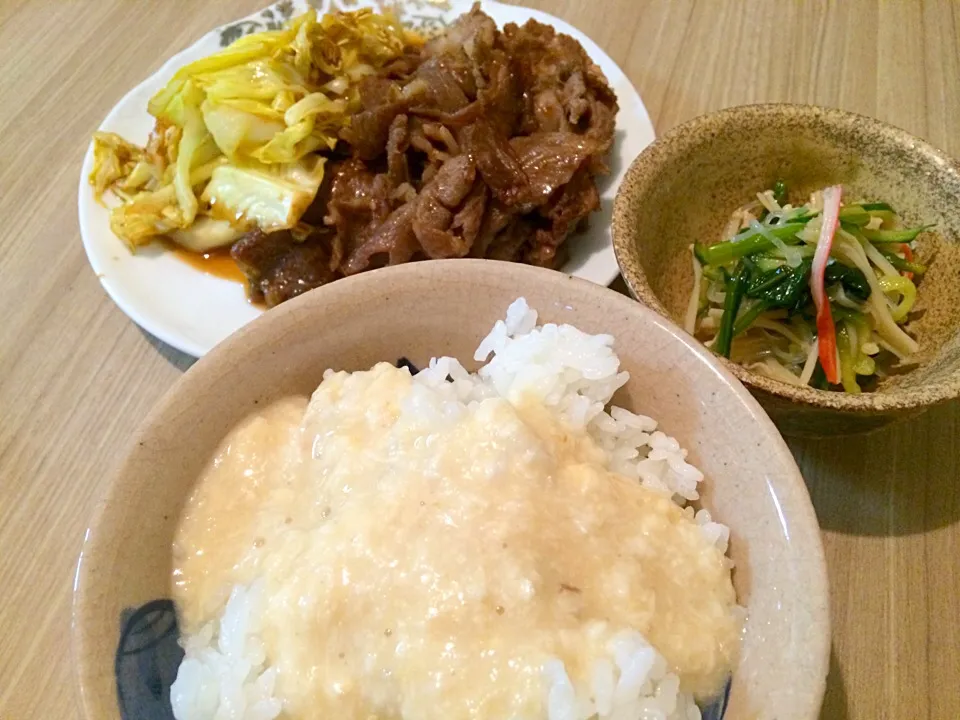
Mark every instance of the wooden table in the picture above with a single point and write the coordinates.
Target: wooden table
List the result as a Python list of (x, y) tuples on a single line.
[(76, 376)]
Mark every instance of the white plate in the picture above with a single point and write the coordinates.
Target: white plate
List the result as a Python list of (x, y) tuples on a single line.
[(193, 311)]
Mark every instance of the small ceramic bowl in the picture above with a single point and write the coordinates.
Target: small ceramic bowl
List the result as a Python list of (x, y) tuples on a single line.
[(125, 625), (684, 187)]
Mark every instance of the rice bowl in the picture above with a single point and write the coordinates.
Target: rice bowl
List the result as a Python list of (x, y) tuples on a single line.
[(127, 560), (413, 545)]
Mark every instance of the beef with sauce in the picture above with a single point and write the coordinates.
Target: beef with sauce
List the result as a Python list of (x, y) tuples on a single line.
[(279, 266), (486, 144)]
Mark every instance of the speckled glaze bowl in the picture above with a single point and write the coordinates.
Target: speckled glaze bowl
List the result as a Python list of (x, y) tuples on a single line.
[(684, 187), (124, 625)]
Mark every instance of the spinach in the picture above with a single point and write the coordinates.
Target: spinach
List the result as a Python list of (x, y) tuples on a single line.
[(735, 286), (784, 287), (854, 282), (780, 192)]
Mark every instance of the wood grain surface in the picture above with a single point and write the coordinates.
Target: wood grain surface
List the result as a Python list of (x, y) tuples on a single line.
[(76, 376)]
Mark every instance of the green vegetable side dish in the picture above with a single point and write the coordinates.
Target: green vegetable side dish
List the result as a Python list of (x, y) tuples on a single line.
[(753, 299)]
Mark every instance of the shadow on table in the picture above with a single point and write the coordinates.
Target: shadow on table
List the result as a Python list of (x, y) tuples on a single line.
[(898, 481), (835, 698), (179, 360)]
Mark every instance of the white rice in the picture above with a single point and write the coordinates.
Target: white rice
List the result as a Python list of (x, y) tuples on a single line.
[(224, 674)]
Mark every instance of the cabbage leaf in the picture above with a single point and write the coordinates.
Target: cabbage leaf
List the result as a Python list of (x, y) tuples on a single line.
[(238, 134)]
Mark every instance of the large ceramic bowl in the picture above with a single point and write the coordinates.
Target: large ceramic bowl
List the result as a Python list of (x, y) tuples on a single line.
[(123, 623), (684, 187)]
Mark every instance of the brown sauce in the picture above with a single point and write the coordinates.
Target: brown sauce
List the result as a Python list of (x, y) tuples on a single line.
[(217, 263)]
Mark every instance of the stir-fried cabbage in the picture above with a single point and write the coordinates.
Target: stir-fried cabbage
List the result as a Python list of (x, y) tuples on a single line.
[(237, 132), (277, 195)]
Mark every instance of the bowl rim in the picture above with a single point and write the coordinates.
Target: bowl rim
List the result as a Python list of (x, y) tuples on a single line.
[(788, 484), (641, 176)]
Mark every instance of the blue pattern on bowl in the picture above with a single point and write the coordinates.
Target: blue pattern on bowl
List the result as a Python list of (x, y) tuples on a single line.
[(146, 662), (718, 707), (148, 656), (404, 363)]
